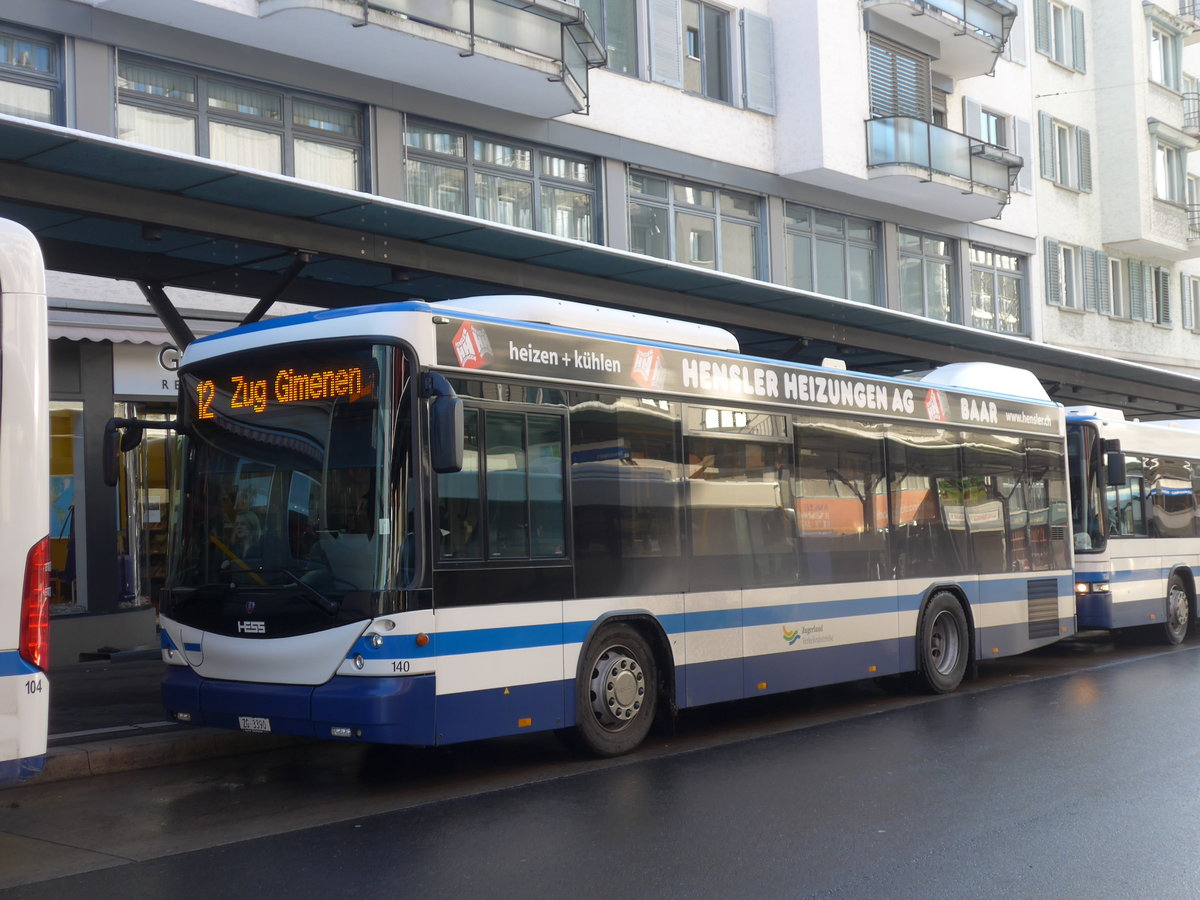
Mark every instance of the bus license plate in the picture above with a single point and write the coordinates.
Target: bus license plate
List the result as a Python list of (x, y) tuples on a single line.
[(254, 723)]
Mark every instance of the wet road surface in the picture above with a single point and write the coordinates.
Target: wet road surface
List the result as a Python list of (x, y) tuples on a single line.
[(1071, 773)]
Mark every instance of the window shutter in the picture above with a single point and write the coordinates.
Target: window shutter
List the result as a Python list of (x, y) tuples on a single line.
[(1150, 303), (1187, 317), (1016, 48), (1083, 141), (972, 118), (1103, 287), (666, 43), (1089, 279), (1041, 26), (1053, 277), (1077, 43), (1137, 297), (1046, 139), (899, 80), (1024, 148), (758, 63), (1164, 296)]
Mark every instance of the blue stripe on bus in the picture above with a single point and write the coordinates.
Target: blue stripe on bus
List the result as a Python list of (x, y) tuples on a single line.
[(15, 770), (11, 663), (522, 637)]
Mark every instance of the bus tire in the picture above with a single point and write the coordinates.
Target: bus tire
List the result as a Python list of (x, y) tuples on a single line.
[(1179, 613), (943, 644), (616, 693)]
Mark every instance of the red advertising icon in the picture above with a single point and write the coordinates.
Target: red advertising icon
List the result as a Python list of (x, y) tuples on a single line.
[(935, 407), (648, 369), (472, 347)]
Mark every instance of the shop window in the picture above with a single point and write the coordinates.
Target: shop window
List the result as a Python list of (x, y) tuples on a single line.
[(68, 591), (697, 224), (927, 275), (831, 254), (500, 180), (258, 126), (30, 79)]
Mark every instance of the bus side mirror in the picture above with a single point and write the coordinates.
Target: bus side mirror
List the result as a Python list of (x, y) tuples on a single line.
[(446, 435), (116, 443), (1115, 469)]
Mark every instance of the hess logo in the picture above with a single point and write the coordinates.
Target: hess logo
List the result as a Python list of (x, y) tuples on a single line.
[(252, 627)]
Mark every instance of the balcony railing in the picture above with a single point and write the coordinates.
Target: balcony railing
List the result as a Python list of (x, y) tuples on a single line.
[(989, 19), (555, 32), (1191, 113), (1193, 221), (905, 141)]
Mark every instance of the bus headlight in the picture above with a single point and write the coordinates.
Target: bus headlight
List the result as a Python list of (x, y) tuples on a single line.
[(1091, 587)]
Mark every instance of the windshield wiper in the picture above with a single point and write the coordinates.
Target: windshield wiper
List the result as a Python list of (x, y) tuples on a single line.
[(311, 594)]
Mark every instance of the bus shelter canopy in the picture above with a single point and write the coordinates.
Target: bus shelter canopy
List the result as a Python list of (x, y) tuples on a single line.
[(104, 207)]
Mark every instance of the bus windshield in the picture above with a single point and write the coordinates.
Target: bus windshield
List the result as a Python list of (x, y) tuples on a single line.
[(291, 508), (1087, 494)]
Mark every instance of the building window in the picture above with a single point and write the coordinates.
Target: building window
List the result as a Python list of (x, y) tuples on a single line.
[(694, 223), (706, 62), (831, 254), (998, 291), (1170, 172), (1113, 299), (1161, 313), (30, 84), (251, 125), (1059, 33), (615, 23), (501, 181), (1149, 292), (1063, 274), (899, 80), (1165, 57), (927, 275), (993, 127), (1068, 268), (1190, 301), (1066, 153)]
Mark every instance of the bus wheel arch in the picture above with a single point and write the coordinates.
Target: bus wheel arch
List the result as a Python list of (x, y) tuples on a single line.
[(1181, 607), (945, 638), (622, 681)]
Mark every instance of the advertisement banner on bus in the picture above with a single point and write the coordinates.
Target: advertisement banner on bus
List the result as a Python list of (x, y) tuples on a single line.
[(501, 349)]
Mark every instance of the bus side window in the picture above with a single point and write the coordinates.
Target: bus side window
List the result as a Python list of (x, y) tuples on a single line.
[(458, 499)]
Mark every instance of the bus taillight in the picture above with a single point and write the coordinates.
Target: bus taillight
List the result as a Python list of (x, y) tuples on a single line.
[(35, 606)]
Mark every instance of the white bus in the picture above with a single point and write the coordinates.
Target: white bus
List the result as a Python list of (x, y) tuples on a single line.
[(427, 523), (1134, 489), (24, 506)]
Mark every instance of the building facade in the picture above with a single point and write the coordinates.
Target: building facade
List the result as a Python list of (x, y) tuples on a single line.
[(1020, 167)]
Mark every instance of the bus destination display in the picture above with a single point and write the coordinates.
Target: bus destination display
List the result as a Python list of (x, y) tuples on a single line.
[(288, 384)]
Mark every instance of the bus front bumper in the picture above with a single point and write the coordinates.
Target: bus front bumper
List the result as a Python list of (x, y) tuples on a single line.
[(372, 710)]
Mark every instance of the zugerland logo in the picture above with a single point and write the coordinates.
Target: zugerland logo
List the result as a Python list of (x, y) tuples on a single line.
[(252, 627)]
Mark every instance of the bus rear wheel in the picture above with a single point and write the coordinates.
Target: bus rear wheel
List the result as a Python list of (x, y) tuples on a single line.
[(1179, 614), (943, 644), (616, 693)]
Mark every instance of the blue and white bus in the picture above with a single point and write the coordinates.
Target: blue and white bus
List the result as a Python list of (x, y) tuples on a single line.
[(423, 523), (1135, 519), (24, 506)]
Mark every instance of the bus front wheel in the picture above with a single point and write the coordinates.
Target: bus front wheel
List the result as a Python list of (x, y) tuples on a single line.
[(943, 644), (616, 693), (1179, 615)]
